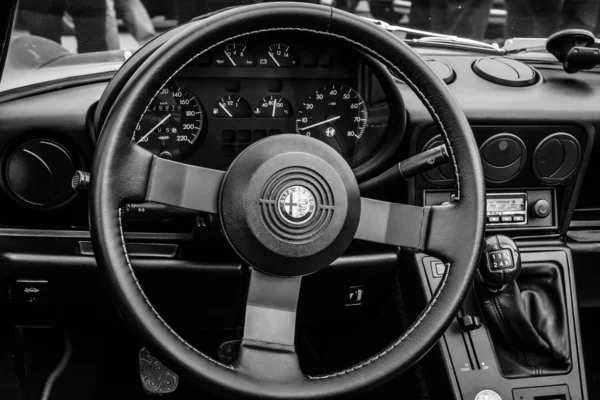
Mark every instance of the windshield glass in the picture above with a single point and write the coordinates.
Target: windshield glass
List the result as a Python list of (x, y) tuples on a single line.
[(59, 39)]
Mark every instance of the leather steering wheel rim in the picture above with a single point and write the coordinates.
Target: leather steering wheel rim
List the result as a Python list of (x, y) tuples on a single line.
[(122, 173)]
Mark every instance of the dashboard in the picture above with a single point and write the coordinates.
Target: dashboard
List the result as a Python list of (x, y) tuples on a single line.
[(246, 90), (536, 139)]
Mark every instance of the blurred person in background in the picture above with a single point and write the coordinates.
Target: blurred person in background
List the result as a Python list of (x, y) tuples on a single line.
[(465, 18), (136, 19), (541, 18), (95, 22)]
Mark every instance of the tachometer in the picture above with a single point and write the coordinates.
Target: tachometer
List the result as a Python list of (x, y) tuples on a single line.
[(171, 124), (335, 114)]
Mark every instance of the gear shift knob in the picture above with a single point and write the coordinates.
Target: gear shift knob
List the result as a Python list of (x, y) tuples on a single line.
[(500, 263)]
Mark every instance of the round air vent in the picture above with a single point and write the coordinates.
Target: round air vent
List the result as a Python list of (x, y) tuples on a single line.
[(556, 158), (443, 70), (503, 157), (443, 175), (39, 173), (505, 71)]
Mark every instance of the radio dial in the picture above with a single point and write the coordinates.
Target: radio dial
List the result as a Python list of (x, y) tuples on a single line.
[(541, 208)]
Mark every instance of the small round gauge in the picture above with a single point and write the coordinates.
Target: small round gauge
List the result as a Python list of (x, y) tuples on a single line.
[(273, 107), (279, 55), (336, 115), (232, 106), (171, 124), (235, 54)]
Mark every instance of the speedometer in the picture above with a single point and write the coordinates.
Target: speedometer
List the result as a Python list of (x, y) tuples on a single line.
[(336, 115), (171, 124)]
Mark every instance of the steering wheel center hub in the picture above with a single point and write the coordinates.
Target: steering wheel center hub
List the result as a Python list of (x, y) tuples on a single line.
[(289, 205)]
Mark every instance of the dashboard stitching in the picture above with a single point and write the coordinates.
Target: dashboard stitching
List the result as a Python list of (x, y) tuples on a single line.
[(427, 105), (189, 347)]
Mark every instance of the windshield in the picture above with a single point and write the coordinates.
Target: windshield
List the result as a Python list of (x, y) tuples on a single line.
[(58, 39)]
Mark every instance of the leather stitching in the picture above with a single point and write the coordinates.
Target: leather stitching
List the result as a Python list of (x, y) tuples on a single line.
[(137, 283), (438, 121)]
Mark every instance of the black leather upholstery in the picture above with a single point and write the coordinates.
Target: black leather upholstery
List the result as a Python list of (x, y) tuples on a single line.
[(528, 322), (458, 238)]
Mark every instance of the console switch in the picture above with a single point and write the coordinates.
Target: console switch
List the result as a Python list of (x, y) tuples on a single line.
[(469, 323), (31, 302)]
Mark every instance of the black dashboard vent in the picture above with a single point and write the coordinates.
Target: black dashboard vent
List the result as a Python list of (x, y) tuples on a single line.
[(443, 70), (505, 71), (38, 173), (503, 157), (556, 158)]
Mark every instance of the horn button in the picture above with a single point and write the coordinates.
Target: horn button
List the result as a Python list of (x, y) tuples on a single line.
[(289, 205)]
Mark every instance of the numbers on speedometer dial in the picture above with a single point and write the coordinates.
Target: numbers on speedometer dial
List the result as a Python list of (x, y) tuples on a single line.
[(336, 115), (171, 124)]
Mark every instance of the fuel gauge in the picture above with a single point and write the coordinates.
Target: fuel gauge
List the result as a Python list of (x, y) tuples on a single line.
[(232, 106)]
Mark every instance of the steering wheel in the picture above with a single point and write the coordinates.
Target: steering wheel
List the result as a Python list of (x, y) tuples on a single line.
[(282, 243)]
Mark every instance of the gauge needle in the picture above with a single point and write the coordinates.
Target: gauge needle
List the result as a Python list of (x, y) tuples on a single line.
[(274, 59), (321, 123), (230, 59), (155, 128), (224, 109), (274, 105)]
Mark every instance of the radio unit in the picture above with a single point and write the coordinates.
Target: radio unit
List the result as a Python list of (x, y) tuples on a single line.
[(506, 209)]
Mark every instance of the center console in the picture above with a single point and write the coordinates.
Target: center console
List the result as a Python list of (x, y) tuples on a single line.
[(475, 353), (516, 336)]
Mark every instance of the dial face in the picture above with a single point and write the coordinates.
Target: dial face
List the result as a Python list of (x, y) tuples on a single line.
[(231, 106), (279, 55), (235, 54), (336, 115), (171, 124), (273, 107)]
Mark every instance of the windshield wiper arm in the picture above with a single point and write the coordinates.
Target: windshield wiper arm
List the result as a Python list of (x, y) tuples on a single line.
[(437, 38), (459, 40)]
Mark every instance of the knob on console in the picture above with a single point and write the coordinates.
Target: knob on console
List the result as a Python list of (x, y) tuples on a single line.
[(500, 263), (541, 208)]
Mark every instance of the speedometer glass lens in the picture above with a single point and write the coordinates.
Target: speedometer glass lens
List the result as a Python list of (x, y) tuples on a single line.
[(336, 115), (171, 124)]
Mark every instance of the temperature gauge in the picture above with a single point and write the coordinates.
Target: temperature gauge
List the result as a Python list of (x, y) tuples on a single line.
[(273, 107)]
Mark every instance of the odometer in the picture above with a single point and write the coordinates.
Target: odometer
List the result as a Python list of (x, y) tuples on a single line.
[(171, 124), (336, 115)]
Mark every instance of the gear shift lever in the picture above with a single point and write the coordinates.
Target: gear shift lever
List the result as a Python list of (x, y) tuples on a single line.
[(500, 263), (527, 319)]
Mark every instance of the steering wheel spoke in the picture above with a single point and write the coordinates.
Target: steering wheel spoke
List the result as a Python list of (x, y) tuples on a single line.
[(419, 228), (186, 186), (268, 349)]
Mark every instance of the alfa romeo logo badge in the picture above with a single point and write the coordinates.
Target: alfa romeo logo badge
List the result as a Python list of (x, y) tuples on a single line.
[(296, 205)]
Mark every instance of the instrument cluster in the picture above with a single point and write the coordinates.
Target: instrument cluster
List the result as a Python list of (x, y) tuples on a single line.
[(250, 89)]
